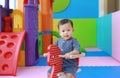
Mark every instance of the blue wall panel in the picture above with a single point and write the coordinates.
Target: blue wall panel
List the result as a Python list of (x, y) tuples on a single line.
[(104, 33), (80, 9)]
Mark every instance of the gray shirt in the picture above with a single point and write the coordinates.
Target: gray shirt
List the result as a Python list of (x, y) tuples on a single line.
[(67, 46)]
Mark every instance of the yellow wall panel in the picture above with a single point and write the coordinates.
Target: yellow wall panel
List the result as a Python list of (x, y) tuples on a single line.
[(55, 28)]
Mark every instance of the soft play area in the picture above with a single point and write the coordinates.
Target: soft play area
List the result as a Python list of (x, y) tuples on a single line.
[(28, 27)]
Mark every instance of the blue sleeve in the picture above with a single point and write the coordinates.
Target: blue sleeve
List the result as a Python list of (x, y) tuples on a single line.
[(56, 43), (76, 45)]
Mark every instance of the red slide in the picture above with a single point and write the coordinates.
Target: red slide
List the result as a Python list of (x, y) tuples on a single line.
[(10, 44)]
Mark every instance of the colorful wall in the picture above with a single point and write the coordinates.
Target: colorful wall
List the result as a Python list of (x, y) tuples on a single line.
[(116, 35), (77, 9), (85, 31), (108, 38), (104, 33)]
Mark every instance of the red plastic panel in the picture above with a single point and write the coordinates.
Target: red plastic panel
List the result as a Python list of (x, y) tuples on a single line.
[(54, 61), (10, 44)]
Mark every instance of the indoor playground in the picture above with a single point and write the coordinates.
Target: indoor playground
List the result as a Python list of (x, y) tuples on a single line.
[(28, 30)]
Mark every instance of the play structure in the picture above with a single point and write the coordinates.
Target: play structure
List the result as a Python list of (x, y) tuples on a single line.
[(27, 30), (13, 21)]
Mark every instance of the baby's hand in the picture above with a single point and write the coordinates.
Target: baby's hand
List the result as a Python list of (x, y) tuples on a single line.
[(45, 54), (67, 56)]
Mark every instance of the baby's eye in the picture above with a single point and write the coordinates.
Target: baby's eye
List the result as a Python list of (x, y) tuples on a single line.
[(68, 30), (63, 31)]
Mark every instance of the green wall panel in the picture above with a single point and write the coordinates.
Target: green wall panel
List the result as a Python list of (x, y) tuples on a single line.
[(85, 31), (57, 7)]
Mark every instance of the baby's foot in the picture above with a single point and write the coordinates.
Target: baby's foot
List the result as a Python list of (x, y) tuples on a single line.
[(79, 70)]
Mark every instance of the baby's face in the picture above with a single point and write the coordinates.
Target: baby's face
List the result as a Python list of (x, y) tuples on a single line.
[(66, 31)]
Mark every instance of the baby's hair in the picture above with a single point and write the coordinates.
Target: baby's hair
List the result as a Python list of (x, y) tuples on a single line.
[(64, 21)]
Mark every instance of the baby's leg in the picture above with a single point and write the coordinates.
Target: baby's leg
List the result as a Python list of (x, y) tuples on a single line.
[(49, 72), (70, 72), (48, 75)]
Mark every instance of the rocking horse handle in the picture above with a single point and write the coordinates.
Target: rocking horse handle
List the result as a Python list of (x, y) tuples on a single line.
[(74, 56), (71, 56)]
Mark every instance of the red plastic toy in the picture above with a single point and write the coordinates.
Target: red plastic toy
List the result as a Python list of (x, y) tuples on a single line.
[(7, 22), (54, 60), (10, 44)]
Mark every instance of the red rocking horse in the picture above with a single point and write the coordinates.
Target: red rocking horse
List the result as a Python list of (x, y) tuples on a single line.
[(54, 59)]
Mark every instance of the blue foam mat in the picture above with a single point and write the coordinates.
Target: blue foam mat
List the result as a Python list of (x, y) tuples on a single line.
[(96, 53), (99, 72), (91, 71), (42, 61)]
